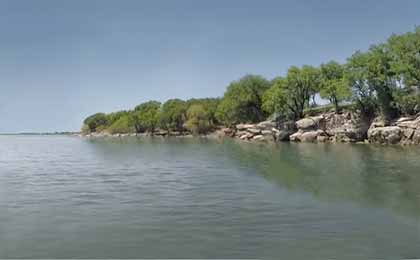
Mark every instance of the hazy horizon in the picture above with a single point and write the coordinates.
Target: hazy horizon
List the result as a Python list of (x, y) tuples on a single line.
[(64, 60)]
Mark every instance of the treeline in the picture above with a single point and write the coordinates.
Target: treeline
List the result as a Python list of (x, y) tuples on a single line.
[(382, 81)]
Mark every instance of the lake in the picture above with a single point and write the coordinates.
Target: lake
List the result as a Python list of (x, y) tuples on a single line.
[(69, 197)]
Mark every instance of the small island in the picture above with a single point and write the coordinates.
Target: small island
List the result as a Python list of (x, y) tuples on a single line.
[(373, 98)]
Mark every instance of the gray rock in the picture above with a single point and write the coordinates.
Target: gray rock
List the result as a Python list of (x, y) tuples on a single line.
[(244, 126), (310, 122), (266, 132), (266, 125), (246, 136), (385, 135), (296, 136), (305, 123), (414, 124), (310, 136), (254, 130), (258, 138), (416, 137)]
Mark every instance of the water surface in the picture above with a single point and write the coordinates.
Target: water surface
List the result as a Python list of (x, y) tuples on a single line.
[(67, 197)]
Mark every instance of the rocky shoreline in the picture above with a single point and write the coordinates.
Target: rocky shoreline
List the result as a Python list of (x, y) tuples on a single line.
[(330, 127), (346, 127)]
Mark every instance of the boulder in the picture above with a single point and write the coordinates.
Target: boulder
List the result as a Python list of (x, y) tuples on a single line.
[(404, 119), (310, 136), (281, 135), (296, 136), (416, 137), (258, 138), (321, 138), (305, 123), (307, 136), (244, 126), (414, 124), (266, 132), (254, 130), (385, 135), (310, 122), (408, 133), (266, 125), (246, 136)]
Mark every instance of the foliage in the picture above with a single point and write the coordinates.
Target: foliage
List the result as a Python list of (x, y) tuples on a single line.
[(209, 105), (373, 80), (146, 116), (173, 114), (274, 99), (95, 120), (291, 95), (407, 101), (384, 80), (198, 119), (122, 126), (242, 101), (405, 52), (112, 117), (333, 84)]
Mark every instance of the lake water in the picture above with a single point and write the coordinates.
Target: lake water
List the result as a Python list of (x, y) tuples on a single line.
[(68, 197)]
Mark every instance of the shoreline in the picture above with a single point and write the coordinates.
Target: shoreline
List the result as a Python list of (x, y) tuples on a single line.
[(346, 127)]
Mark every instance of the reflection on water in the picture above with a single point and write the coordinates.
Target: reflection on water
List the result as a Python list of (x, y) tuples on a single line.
[(63, 197), (373, 176)]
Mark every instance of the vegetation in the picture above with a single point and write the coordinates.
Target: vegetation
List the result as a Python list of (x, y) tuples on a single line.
[(242, 101), (333, 85), (382, 81), (146, 116)]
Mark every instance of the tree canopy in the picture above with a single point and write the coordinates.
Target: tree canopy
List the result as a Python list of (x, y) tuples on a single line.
[(384, 80), (146, 116), (242, 101), (333, 83)]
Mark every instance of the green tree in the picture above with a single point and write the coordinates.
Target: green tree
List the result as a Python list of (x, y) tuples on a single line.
[(123, 125), (146, 116), (274, 99), (372, 78), (209, 105), (333, 84), (112, 117), (242, 101), (198, 119), (95, 121), (172, 114), (405, 52), (295, 91)]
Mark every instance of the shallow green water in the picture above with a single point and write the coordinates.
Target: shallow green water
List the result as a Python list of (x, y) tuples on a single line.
[(65, 197)]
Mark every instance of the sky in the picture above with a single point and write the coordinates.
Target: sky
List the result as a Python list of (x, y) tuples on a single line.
[(61, 61)]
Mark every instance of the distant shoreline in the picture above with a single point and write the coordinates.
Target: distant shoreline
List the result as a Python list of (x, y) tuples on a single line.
[(47, 133)]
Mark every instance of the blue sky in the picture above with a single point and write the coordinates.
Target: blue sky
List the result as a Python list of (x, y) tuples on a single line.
[(61, 61)]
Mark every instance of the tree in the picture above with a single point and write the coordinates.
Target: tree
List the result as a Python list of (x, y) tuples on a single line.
[(333, 84), (146, 116), (95, 121), (297, 88), (198, 119), (274, 99), (112, 117), (209, 105), (123, 125), (372, 79), (242, 101), (405, 52), (173, 114)]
